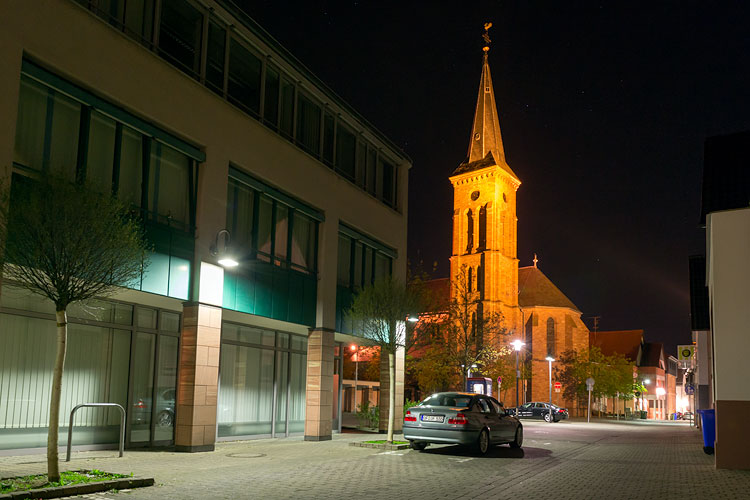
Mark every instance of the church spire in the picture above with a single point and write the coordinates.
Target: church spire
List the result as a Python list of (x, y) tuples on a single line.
[(485, 133)]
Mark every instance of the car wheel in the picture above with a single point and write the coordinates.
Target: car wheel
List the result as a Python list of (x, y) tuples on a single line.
[(483, 442), (546, 417), (518, 440), (417, 446), (165, 419)]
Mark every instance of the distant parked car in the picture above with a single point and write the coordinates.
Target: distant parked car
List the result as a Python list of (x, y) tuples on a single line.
[(461, 418), (538, 409)]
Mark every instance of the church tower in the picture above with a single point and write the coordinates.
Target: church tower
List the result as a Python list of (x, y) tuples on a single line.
[(484, 211)]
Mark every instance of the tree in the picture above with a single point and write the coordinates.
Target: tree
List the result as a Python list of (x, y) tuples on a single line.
[(69, 243), (461, 334), (379, 313), (613, 375)]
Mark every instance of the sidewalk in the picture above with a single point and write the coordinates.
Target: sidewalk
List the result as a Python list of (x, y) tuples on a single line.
[(567, 460)]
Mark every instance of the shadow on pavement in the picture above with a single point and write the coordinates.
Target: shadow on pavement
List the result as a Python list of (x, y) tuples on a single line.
[(494, 452)]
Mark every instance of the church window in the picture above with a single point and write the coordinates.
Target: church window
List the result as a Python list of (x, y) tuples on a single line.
[(551, 337), (568, 333), (471, 279), (483, 228), (469, 231)]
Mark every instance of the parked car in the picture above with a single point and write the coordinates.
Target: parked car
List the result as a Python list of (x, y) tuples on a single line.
[(461, 418), (538, 409), (165, 404)]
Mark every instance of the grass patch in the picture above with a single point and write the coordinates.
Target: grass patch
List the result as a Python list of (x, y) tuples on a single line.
[(26, 483), (383, 441)]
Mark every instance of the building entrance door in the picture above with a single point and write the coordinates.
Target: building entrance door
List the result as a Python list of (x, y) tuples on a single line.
[(153, 377)]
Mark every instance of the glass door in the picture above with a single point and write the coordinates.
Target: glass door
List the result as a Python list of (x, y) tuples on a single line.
[(153, 386)]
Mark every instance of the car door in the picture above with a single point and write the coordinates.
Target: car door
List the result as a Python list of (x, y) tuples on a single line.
[(525, 410), (539, 410), (506, 425), (486, 416)]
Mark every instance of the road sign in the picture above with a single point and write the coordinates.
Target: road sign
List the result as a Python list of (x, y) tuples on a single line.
[(590, 384), (558, 386), (685, 352), (689, 389)]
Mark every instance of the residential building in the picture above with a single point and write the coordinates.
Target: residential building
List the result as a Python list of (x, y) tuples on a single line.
[(224, 142), (626, 343), (725, 212)]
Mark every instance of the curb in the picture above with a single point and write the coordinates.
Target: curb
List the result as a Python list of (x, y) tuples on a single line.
[(81, 489), (379, 446)]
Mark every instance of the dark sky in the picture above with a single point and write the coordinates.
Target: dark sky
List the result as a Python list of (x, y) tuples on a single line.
[(604, 108)]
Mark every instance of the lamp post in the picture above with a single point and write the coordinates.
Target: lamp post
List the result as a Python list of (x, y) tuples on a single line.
[(550, 359), (517, 345), (356, 372), (645, 383)]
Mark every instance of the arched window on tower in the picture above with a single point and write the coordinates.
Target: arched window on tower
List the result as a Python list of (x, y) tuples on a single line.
[(483, 228), (469, 231), (470, 279), (551, 337)]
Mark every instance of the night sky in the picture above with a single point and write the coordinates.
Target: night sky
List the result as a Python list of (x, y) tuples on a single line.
[(603, 108)]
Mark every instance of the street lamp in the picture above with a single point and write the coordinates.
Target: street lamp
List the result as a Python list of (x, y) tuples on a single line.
[(355, 348), (550, 359), (517, 345)]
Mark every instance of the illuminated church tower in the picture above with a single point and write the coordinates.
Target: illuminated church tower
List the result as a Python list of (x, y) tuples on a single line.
[(484, 212)]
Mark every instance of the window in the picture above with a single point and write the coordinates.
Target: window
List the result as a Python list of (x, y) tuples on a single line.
[(131, 166), (308, 124), (180, 34), (244, 78), (168, 183), (101, 151), (271, 105), (361, 169), (550, 337), (469, 231), (371, 175), (286, 104), (328, 128), (33, 100), (483, 228), (267, 229), (344, 261), (139, 19), (215, 52), (386, 169), (346, 149)]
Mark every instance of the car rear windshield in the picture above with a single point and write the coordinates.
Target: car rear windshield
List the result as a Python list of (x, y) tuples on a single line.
[(447, 399)]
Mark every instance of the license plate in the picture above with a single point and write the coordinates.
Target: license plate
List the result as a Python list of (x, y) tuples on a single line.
[(432, 418)]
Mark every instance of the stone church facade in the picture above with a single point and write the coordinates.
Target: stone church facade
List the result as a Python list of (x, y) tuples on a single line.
[(485, 240)]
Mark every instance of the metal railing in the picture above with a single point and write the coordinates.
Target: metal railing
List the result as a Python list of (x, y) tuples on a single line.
[(96, 405)]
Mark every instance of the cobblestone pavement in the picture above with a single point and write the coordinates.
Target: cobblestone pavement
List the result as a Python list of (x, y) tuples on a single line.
[(566, 460)]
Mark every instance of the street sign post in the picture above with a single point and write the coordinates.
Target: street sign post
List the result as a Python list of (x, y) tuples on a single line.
[(558, 386), (590, 387)]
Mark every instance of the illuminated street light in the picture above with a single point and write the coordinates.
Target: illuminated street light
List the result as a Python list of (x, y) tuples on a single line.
[(550, 359), (355, 349), (225, 258)]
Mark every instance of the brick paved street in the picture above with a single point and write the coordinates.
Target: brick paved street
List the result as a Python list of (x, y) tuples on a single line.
[(568, 460)]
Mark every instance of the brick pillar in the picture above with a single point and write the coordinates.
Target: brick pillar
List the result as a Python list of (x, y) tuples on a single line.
[(319, 395), (198, 378), (398, 422)]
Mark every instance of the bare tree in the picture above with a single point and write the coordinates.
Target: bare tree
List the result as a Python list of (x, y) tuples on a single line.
[(68, 243), (462, 333), (380, 314)]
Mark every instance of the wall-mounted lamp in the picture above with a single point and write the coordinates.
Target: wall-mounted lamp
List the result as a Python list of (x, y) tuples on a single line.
[(224, 257)]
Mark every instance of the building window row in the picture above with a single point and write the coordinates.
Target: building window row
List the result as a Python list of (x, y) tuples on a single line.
[(269, 230), (200, 44)]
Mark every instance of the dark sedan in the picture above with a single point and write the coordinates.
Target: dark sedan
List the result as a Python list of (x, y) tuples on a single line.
[(461, 418), (538, 409)]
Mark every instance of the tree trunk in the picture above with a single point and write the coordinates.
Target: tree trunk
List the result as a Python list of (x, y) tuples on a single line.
[(391, 394), (53, 469)]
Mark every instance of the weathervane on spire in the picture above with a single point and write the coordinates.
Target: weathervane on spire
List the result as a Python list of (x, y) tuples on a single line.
[(535, 260), (486, 36)]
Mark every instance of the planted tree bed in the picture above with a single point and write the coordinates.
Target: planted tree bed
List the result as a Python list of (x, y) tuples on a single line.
[(71, 483), (382, 444)]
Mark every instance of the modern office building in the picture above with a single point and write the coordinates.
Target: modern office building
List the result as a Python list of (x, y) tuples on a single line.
[(190, 111)]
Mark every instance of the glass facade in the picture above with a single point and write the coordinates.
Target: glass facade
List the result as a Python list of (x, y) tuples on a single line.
[(361, 261), (275, 240), (245, 77), (78, 139), (115, 354), (262, 382)]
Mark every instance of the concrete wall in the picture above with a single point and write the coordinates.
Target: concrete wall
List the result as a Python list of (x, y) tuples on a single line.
[(728, 242)]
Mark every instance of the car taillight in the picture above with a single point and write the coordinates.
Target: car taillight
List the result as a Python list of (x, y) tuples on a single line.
[(409, 417), (460, 419), (561, 411), (139, 404)]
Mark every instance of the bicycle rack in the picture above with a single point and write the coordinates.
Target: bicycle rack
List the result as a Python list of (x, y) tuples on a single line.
[(96, 405)]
